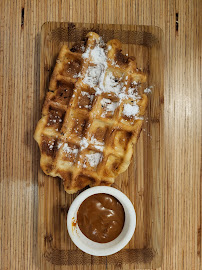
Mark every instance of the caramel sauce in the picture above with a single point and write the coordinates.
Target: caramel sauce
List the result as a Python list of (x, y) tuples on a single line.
[(101, 218), (73, 223)]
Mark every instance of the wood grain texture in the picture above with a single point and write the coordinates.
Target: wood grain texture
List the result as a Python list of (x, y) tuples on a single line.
[(142, 182), (19, 84)]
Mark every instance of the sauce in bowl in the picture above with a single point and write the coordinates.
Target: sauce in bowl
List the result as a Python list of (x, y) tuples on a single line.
[(101, 218)]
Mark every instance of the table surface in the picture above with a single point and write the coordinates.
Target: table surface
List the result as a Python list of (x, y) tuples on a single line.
[(20, 24)]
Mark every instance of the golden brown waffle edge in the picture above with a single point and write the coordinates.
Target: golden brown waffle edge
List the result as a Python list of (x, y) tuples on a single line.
[(92, 114)]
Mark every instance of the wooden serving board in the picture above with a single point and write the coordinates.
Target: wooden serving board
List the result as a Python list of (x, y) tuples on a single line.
[(142, 182)]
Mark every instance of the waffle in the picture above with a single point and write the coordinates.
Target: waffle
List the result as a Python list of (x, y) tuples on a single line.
[(92, 114)]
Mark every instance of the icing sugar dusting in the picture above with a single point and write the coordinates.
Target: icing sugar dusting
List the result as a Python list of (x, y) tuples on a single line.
[(94, 159), (147, 90), (94, 76), (108, 105), (69, 150), (98, 56), (111, 84), (101, 79), (133, 92), (97, 144), (91, 98), (51, 145), (130, 110), (83, 93), (59, 145), (84, 143)]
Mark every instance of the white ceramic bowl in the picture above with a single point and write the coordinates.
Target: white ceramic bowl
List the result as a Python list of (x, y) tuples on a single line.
[(101, 249)]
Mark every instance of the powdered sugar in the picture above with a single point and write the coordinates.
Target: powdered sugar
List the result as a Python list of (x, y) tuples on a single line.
[(76, 75), (97, 144), (59, 145), (108, 105), (93, 159), (90, 97), (102, 80), (98, 56), (130, 110), (84, 143), (132, 91), (147, 90), (83, 93), (69, 150), (111, 84), (51, 145), (92, 75)]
